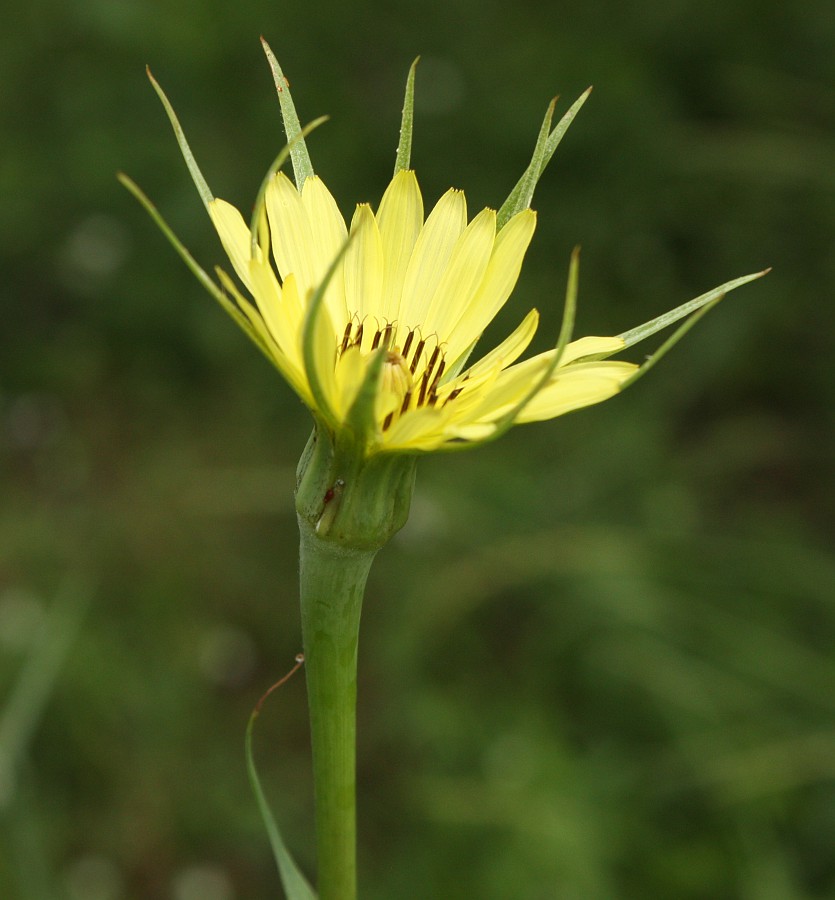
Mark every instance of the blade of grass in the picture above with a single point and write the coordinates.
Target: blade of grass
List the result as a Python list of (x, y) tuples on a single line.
[(296, 886)]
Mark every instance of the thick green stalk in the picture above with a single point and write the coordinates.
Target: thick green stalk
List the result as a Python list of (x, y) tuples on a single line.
[(348, 506), (332, 587)]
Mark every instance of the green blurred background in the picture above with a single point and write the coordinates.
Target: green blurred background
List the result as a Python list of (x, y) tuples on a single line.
[(598, 662)]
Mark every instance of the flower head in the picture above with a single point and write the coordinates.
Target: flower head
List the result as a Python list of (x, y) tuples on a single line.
[(407, 300), (374, 324)]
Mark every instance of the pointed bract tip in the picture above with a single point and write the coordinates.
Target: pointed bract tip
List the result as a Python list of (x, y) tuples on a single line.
[(268, 50), (151, 78)]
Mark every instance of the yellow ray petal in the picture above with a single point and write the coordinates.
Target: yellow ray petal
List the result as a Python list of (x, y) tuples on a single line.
[(472, 391), (590, 346), (499, 280), (511, 348), (420, 429), (329, 233), (528, 370), (292, 237), (511, 387), (463, 274), (288, 368), (400, 218), (363, 268), (234, 235), (514, 383), (281, 314), (576, 387), (432, 251), (350, 369), (471, 432), (320, 364)]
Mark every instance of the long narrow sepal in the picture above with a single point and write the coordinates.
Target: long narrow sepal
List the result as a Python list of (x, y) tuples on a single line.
[(188, 156), (302, 166), (641, 332), (187, 258), (295, 885), (404, 145), (566, 331), (671, 341), (361, 418), (246, 320), (546, 144), (522, 193), (312, 363)]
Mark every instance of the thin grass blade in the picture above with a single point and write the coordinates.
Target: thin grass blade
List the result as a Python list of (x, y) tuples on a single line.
[(296, 886)]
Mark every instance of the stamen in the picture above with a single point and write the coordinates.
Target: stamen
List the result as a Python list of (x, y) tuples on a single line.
[(346, 337), (406, 400), (437, 377), (423, 384), (403, 369), (418, 352), (433, 359)]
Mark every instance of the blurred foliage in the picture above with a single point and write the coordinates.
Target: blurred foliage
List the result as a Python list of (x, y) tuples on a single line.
[(598, 661)]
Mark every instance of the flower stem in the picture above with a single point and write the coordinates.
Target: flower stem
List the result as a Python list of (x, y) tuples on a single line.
[(332, 586), (348, 506)]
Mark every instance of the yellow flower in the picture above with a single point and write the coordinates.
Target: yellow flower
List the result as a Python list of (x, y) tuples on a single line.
[(374, 325), (419, 292)]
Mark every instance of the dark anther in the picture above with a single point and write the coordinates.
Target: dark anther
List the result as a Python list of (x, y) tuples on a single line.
[(424, 382), (346, 337), (437, 377), (407, 346), (418, 351), (433, 359)]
